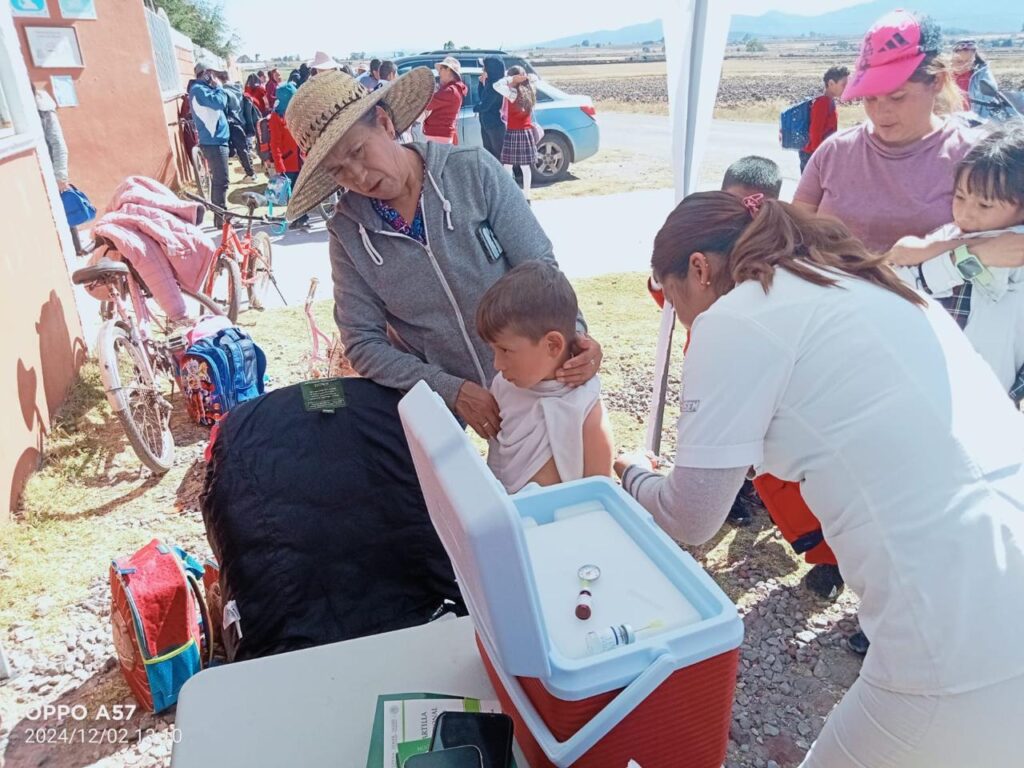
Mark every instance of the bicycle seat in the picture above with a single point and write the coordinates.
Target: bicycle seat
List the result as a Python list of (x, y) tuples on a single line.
[(99, 271), (253, 200)]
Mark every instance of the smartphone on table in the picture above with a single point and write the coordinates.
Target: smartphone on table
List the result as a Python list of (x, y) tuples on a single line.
[(490, 732), (456, 757)]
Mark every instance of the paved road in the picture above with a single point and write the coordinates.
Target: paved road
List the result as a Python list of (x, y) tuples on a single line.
[(619, 241), (652, 135)]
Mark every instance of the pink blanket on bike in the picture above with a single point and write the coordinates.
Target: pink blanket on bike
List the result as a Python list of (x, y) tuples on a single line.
[(154, 231)]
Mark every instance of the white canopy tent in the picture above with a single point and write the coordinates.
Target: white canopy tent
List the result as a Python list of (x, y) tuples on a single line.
[(695, 38)]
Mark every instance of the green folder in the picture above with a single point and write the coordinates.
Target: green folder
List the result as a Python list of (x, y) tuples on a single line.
[(375, 757)]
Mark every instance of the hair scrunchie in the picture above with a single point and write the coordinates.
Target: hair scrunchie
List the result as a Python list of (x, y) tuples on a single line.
[(753, 203)]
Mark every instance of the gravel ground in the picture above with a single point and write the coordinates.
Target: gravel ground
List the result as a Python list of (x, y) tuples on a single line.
[(79, 670)]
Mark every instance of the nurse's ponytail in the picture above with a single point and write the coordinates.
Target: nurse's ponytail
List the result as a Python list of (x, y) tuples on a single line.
[(753, 238)]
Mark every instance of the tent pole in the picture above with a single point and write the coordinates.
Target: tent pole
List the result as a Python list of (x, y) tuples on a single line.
[(695, 39)]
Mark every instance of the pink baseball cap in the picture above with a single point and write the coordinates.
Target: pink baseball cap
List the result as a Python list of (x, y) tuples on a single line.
[(891, 51)]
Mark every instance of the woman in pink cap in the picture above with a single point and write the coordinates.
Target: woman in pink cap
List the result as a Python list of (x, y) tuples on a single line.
[(892, 176)]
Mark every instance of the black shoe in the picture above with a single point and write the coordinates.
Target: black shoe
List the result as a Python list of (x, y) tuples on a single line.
[(745, 505), (300, 223), (824, 581), (858, 643), (740, 515)]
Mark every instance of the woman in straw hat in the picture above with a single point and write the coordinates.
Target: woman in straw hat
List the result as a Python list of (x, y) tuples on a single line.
[(422, 231)]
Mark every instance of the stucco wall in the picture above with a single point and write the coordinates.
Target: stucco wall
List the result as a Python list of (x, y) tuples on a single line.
[(42, 341), (120, 127)]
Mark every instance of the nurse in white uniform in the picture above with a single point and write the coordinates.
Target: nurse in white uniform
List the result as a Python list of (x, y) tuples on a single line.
[(810, 360)]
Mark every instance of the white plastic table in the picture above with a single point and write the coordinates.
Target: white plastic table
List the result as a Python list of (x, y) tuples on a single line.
[(316, 707)]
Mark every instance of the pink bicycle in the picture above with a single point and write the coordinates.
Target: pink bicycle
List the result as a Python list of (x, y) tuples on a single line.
[(137, 348)]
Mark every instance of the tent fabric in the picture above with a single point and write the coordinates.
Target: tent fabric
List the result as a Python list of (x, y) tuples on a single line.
[(319, 524), (695, 38)]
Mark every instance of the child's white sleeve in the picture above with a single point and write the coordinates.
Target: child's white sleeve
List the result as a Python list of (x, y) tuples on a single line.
[(501, 86)]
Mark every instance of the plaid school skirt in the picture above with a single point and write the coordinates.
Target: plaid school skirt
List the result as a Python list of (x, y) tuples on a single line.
[(519, 147)]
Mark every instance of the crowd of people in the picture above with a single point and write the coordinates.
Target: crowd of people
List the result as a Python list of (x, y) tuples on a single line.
[(226, 117)]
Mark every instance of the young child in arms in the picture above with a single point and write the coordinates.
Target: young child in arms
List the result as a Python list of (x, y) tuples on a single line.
[(550, 432), (986, 301)]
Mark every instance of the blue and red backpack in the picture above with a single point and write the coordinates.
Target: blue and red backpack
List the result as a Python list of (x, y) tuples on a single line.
[(220, 371)]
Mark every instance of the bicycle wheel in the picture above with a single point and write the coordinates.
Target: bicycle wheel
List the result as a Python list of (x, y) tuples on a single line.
[(226, 291), (136, 398), (201, 171), (258, 272)]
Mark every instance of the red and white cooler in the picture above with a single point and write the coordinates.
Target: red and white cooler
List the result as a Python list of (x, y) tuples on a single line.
[(649, 676)]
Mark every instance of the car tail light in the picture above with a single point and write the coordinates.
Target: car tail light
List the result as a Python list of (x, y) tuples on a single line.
[(589, 110)]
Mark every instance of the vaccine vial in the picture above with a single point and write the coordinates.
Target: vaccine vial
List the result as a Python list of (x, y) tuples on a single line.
[(610, 638), (584, 605)]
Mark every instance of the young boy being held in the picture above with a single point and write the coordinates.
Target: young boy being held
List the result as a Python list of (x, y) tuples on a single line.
[(550, 432), (753, 175), (750, 175)]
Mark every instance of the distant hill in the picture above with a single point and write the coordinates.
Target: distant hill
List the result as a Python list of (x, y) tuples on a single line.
[(637, 33), (981, 16)]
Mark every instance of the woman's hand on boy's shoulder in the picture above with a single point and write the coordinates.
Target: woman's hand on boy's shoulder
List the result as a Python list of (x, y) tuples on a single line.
[(582, 367)]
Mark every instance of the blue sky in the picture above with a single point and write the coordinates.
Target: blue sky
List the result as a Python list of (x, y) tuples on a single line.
[(273, 27)]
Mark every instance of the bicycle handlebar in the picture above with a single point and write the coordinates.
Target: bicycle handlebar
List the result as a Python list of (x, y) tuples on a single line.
[(233, 214)]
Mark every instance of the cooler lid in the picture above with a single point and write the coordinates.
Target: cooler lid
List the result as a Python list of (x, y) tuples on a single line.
[(480, 529)]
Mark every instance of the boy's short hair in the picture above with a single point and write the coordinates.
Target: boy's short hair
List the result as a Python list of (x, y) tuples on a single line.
[(757, 173), (386, 68), (531, 300), (374, 65), (835, 74)]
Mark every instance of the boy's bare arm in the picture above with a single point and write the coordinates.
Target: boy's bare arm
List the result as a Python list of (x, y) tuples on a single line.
[(598, 450)]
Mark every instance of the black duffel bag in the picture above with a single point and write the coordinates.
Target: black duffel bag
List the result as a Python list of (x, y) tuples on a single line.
[(319, 524)]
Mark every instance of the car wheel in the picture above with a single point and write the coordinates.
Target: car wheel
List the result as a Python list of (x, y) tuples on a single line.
[(553, 154)]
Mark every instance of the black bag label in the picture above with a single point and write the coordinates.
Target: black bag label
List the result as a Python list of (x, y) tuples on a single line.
[(324, 395)]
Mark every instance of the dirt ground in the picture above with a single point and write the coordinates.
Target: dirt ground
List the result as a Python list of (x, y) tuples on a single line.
[(752, 88)]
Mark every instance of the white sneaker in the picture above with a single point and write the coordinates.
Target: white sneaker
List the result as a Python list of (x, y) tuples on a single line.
[(250, 179)]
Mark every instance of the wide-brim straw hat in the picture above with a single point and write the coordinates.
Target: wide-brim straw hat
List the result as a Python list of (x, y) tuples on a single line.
[(323, 110)]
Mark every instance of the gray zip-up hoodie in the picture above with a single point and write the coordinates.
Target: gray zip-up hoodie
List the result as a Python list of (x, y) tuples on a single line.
[(408, 312)]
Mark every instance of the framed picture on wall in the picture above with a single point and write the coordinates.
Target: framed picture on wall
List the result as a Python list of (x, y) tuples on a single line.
[(35, 9), (78, 9), (54, 47)]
